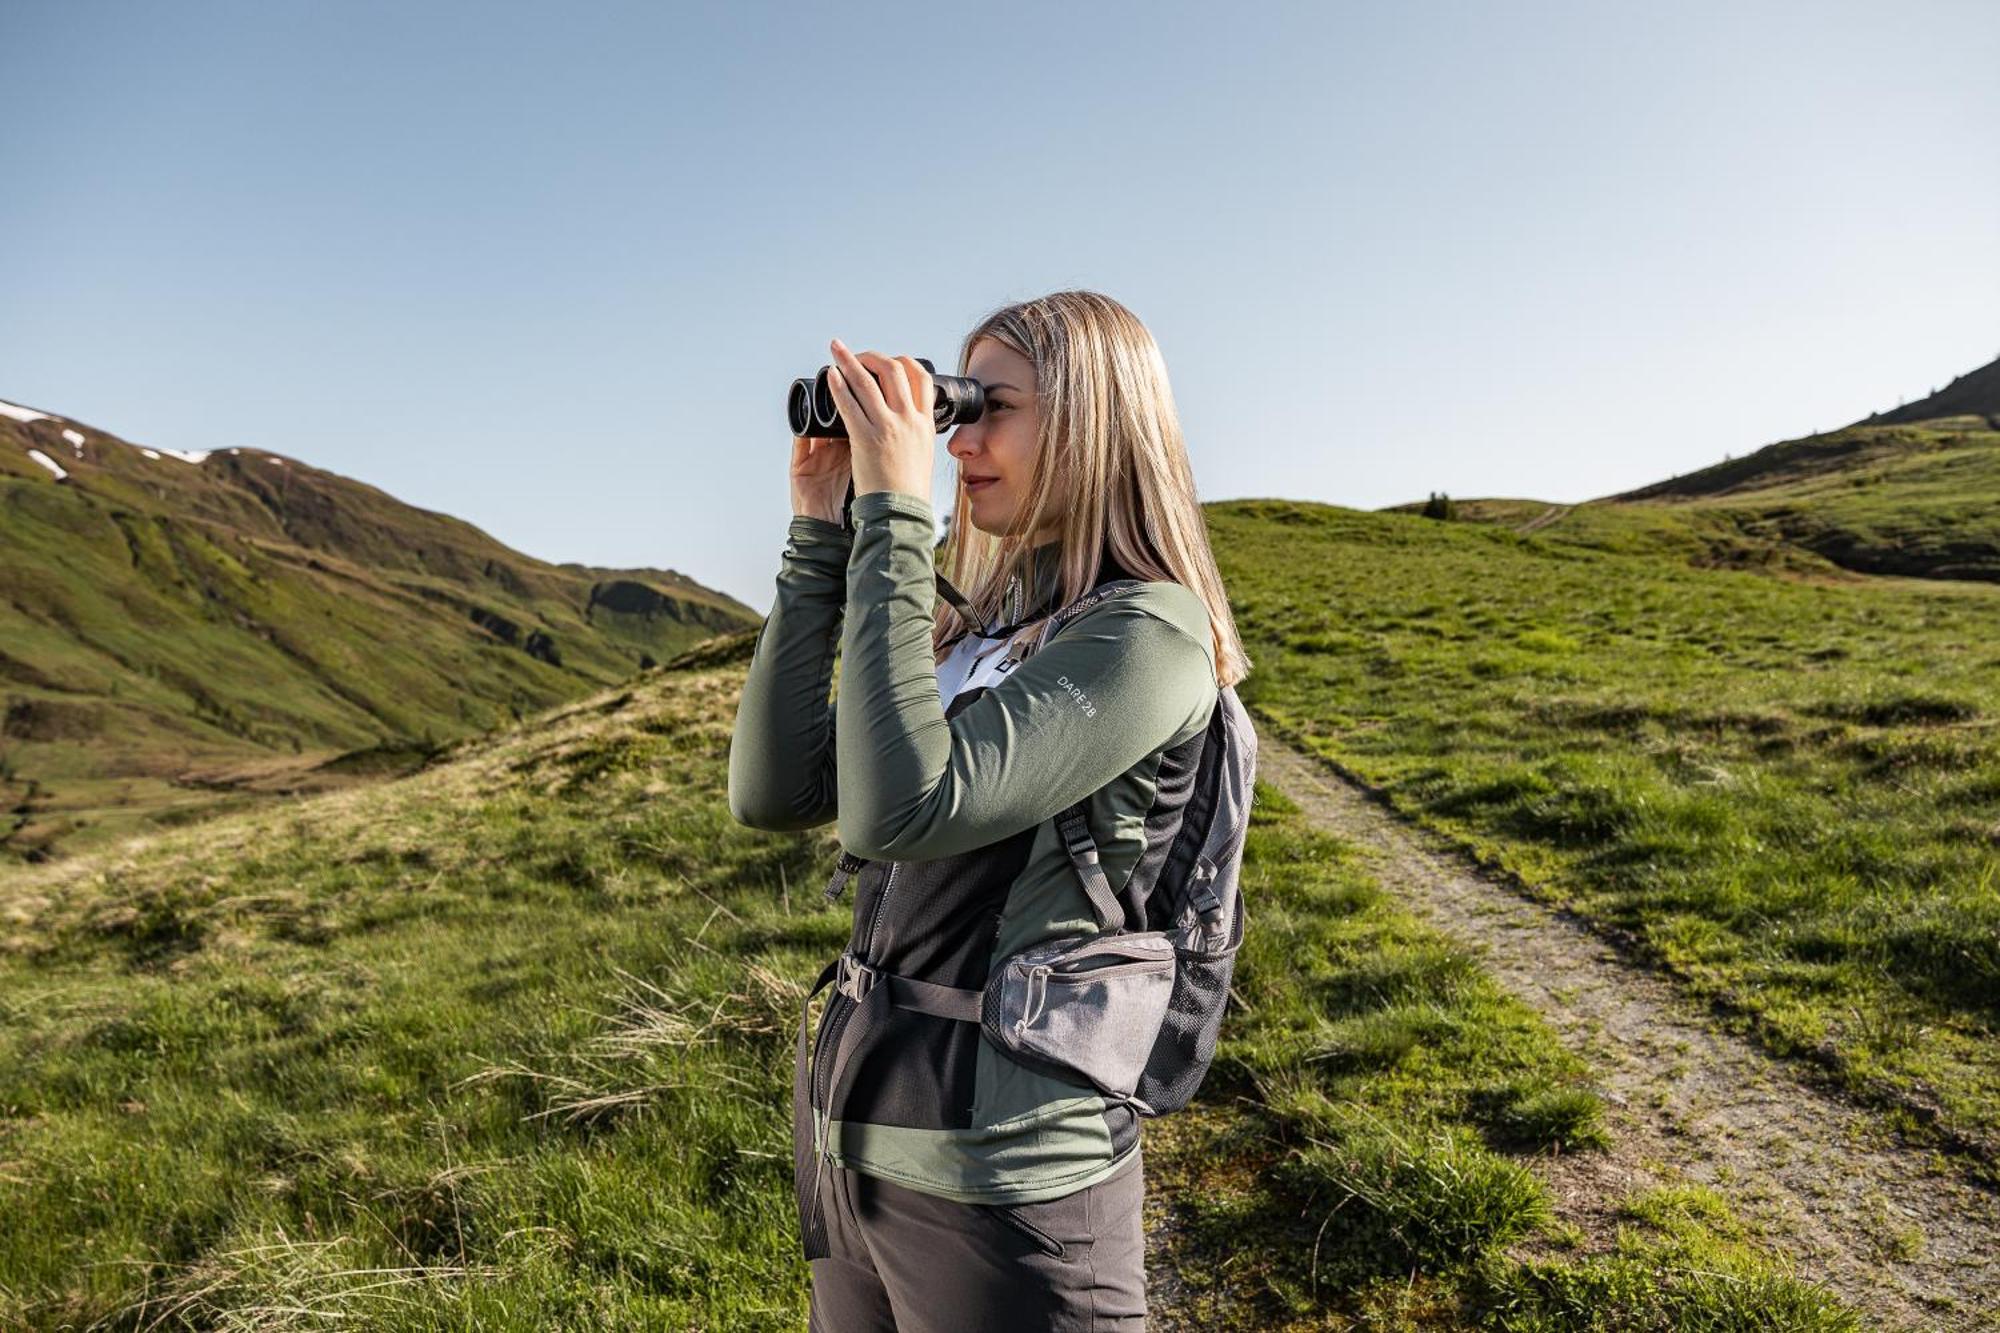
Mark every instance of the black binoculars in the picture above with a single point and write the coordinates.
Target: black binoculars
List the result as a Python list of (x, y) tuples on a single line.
[(812, 411)]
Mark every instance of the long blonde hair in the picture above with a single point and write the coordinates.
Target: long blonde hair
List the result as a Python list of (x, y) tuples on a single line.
[(1111, 469)]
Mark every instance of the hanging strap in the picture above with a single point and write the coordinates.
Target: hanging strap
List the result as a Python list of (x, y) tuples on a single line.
[(958, 602), (805, 1128), (812, 1123), (843, 868)]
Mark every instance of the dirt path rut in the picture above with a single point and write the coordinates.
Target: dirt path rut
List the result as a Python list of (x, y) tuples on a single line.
[(1543, 519), (1852, 1206)]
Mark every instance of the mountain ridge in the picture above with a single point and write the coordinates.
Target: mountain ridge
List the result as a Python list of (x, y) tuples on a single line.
[(1913, 493), (1975, 393), (169, 615)]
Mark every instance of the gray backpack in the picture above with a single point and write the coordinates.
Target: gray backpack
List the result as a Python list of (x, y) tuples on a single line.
[(1134, 1009)]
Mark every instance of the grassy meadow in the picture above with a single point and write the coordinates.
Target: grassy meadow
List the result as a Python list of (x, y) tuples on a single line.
[(1782, 787), (506, 1044)]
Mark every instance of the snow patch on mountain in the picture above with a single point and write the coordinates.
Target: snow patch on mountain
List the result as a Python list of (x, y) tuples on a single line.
[(21, 413), (48, 463)]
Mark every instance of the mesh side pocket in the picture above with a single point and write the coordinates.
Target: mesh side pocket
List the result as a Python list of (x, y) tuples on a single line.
[(1180, 1058)]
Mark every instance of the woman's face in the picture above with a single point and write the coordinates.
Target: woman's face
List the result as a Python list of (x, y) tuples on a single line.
[(996, 454)]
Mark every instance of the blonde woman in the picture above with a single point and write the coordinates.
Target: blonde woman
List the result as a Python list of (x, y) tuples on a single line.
[(942, 1185)]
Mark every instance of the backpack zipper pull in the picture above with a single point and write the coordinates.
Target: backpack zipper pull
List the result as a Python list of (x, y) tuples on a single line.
[(1038, 992)]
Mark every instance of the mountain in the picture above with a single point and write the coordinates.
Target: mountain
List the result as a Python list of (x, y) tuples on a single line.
[(179, 630), (1914, 492), (1975, 393)]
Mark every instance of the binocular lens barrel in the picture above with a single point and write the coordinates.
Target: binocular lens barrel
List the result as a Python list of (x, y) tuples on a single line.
[(810, 409)]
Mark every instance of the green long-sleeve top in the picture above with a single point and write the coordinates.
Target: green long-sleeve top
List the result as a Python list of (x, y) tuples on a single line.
[(1123, 680), (1087, 718)]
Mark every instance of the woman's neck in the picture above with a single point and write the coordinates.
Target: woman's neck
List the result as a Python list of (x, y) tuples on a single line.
[(1044, 571)]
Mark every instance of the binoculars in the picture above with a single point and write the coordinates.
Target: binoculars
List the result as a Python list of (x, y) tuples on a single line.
[(812, 411)]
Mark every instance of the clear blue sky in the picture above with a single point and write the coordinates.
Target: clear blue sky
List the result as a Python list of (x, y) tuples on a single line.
[(550, 267)]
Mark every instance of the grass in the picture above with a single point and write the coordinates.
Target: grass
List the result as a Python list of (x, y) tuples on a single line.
[(505, 1044), (1884, 499), (1780, 789)]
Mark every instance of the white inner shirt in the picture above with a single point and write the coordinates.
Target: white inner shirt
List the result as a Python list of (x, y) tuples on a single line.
[(973, 661)]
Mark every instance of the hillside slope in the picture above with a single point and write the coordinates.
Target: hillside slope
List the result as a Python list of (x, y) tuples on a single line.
[(1784, 790), (507, 1044), (1920, 500), (1914, 492), (1975, 393), (173, 624)]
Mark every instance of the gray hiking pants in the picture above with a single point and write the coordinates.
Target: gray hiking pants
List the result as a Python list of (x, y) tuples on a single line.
[(907, 1262)]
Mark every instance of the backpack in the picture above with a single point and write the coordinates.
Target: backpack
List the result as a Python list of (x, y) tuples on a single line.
[(1135, 1008)]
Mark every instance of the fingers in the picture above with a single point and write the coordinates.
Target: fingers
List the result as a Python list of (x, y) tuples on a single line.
[(860, 385), (843, 401), (902, 385), (818, 456), (923, 390), (889, 374)]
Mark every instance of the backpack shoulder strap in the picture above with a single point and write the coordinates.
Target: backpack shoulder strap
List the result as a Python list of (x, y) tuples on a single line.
[(1110, 588), (1072, 823), (1075, 830)]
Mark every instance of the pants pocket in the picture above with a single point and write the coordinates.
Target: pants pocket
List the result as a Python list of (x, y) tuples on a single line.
[(1011, 1216)]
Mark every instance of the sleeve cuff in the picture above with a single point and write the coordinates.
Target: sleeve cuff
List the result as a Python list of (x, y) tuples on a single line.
[(886, 504), (814, 531)]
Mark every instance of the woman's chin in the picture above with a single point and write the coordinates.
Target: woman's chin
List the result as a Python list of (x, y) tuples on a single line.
[(984, 517)]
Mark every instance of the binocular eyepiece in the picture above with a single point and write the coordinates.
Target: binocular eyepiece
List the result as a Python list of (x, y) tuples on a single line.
[(812, 411)]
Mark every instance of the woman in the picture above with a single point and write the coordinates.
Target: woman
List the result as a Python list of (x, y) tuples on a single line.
[(942, 1185)]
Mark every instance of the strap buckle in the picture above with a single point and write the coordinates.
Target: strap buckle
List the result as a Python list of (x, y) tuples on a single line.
[(1083, 846), (855, 978), (1075, 831)]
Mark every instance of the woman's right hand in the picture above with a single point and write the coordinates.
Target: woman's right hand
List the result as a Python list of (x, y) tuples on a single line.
[(820, 472)]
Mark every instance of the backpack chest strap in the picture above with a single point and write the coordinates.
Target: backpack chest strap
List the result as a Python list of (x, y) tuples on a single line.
[(856, 979)]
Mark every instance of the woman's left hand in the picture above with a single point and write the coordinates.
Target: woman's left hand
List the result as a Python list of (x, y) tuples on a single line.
[(890, 430)]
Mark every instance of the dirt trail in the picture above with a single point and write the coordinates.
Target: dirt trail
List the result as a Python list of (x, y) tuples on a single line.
[(1852, 1206), (1546, 517)]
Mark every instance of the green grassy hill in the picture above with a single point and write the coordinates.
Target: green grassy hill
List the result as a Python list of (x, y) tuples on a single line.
[(178, 632), (1920, 499), (1781, 789), (1915, 491), (506, 1044)]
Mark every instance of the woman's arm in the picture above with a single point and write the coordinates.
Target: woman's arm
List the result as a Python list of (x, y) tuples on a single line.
[(781, 756), (1119, 681)]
